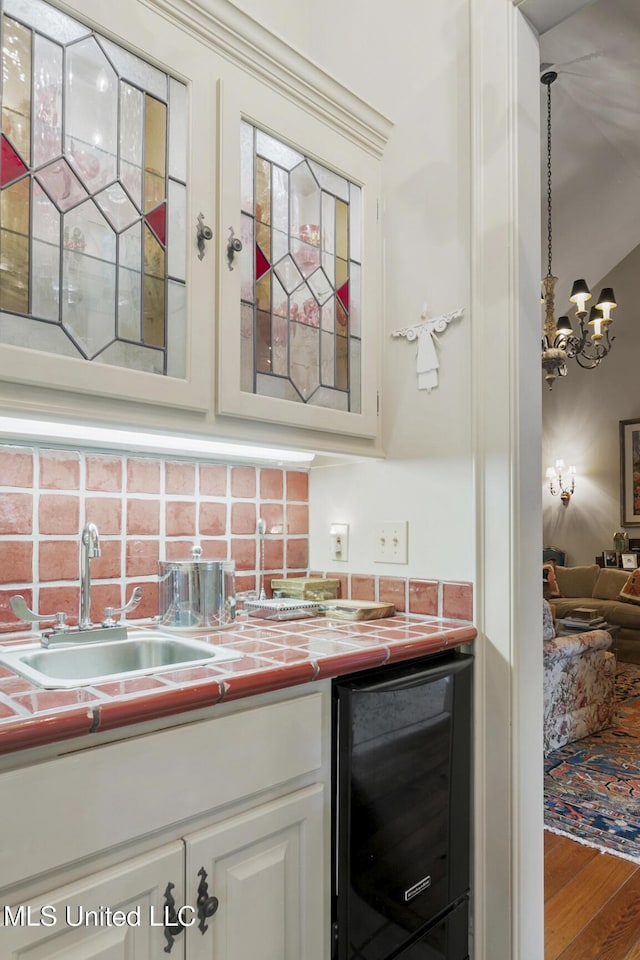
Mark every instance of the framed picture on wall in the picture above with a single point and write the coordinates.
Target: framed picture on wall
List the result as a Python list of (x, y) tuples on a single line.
[(610, 558), (630, 472), (629, 561)]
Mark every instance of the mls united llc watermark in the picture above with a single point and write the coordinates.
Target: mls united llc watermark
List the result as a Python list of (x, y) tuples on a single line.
[(48, 915)]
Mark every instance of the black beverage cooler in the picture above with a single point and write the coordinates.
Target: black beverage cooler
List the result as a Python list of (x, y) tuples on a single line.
[(401, 824)]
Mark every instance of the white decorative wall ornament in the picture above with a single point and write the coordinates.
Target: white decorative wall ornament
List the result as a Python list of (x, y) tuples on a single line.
[(424, 332)]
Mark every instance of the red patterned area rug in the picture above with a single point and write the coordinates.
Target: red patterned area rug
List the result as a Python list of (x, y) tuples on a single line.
[(592, 786)]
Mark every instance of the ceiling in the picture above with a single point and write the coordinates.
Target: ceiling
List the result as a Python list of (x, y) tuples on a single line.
[(595, 135), (544, 14)]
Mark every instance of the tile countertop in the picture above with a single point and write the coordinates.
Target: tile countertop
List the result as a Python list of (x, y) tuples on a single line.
[(276, 654)]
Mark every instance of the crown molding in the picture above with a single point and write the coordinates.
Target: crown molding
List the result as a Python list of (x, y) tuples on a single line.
[(241, 39)]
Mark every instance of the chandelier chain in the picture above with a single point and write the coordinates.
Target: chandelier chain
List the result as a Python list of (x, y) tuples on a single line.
[(549, 231)]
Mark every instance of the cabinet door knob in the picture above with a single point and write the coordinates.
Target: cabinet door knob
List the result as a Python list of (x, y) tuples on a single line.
[(173, 924), (203, 233), (207, 905), (234, 245)]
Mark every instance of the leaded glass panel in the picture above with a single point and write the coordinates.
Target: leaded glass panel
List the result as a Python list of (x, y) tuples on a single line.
[(45, 256), (47, 20), (301, 318), (92, 195), (16, 87), (47, 78), (131, 140)]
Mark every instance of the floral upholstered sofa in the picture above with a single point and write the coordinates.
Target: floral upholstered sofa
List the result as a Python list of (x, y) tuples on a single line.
[(579, 676)]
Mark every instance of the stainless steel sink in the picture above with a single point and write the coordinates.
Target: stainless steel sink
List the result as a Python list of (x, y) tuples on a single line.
[(84, 664)]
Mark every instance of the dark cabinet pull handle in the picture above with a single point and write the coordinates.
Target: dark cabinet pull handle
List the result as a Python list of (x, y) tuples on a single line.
[(172, 925), (203, 233), (234, 245), (207, 905)]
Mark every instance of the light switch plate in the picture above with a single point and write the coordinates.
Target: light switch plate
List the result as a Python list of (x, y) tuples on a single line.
[(390, 542)]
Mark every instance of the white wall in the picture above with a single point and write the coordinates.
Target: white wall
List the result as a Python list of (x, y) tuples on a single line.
[(581, 426), (290, 21), (462, 462), (415, 69)]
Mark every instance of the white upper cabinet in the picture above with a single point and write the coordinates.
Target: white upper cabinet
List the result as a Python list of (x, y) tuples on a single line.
[(189, 225), (101, 185), (299, 304)]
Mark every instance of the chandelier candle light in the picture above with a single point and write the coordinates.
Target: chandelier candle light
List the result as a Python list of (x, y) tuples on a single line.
[(591, 342)]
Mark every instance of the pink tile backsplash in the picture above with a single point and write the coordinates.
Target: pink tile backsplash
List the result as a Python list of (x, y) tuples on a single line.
[(363, 588), (297, 518), (243, 518), (423, 597), (392, 590), (58, 560), (243, 482), (271, 484), (273, 516), (108, 565), (16, 559), (274, 554), (213, 549), (105, 512), (457, 601), (59, 469), (104, 595), (146, 508), (104, 473), (52, 599), (297, 486), (149, 509), (181, 550), (8, 620), (59, 513), (298, 554), (431, 598), (16, 513), (142, 557), (213, 519), (180, 478), (213, 480), (16, 466), (180, 518), (143, 517), (143, 475), (244, 553)]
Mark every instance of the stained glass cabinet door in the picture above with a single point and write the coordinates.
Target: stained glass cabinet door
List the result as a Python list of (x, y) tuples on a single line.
[(300, 302), (98, 266)]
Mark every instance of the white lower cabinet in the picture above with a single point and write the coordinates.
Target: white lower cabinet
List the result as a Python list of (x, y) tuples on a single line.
[(265, 869), (253, 888), (115, 914), (100, 846)]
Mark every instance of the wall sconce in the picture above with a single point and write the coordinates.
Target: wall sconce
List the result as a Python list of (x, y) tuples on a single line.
[(559, 486)]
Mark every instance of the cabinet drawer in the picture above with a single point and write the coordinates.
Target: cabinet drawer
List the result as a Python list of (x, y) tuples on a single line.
[(77, 806)]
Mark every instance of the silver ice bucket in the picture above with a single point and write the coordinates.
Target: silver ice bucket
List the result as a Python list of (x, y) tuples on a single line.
[(197, 593)]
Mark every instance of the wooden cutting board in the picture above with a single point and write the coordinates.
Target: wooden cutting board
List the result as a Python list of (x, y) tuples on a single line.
[(357, 609)]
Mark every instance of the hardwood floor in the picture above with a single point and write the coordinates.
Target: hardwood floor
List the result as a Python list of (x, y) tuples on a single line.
[(592, 903)]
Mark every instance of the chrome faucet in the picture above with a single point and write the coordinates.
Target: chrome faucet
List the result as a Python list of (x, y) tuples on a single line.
[(89, 548)]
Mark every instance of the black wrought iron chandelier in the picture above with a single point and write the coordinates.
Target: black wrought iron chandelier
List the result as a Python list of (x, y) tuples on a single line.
[(590, 343)]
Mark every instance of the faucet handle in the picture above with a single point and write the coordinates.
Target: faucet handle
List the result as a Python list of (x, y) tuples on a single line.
[(22, 612), (131, 604)]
